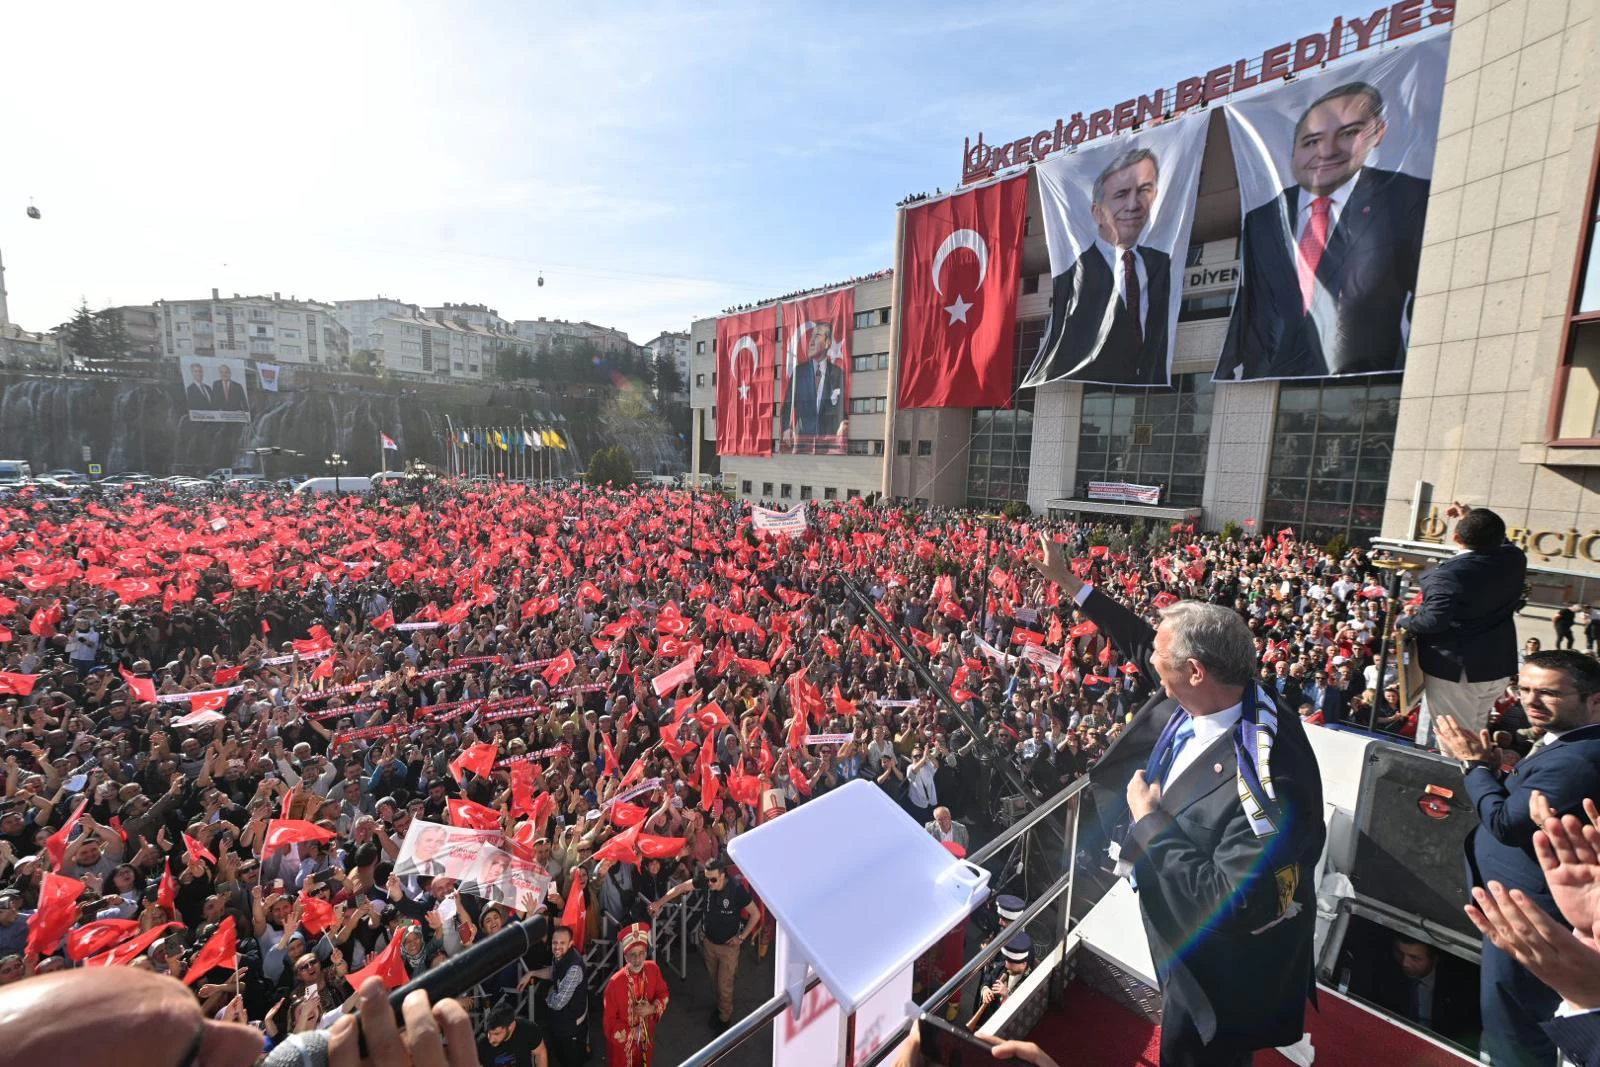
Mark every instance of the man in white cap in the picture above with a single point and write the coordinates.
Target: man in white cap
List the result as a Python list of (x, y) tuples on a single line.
[(635, 1000)]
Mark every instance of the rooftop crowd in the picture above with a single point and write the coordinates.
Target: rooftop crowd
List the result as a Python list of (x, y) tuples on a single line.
[(358, 664)]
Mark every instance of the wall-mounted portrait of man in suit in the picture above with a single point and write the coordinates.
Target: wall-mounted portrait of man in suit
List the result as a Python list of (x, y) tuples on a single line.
[(1113, 214), (1332, 232)]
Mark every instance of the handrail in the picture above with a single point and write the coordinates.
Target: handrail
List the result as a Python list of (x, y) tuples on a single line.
[(747, 1027)]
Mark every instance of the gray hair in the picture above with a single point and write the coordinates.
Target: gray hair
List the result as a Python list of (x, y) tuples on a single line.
[(1132, 157), (1215, 637)]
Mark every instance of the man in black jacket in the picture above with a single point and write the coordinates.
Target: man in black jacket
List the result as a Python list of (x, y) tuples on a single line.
[(1466, 627), (1221, 800)]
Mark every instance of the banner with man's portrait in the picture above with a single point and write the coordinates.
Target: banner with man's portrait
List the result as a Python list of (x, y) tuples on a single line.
[(1334, 173), (434, 850), (214, 389), (1117, 218), (814, 390)]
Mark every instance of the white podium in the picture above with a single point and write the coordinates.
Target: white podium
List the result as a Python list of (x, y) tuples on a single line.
[(859, 891)]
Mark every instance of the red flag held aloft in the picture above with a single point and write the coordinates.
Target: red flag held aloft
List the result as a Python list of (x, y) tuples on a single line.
[(222, 950), (388, 965)]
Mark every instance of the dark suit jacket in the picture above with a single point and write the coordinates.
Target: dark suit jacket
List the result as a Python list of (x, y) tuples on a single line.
[(1467, 618), (1578, 1036), (800, 414), (1369, 268), (1079, 337), (1500, 847), (229, 397), (1235, 966), (1455, 998), (199, 397)]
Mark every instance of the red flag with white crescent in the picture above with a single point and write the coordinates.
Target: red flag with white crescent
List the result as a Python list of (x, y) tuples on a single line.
[(746, 364), (963, 259)]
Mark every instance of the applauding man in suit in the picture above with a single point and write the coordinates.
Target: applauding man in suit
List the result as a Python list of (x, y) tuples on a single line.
[(1560, 692), (1214, 799)]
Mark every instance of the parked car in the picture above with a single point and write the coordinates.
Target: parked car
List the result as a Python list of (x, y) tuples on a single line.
[(62, 474), (354, 483), (15, 471)]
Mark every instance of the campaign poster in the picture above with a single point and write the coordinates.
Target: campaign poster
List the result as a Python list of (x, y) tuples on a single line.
[(1334, 172), (1117, 217), (433, 850), (489, 876), (214, 389), (813, 410)]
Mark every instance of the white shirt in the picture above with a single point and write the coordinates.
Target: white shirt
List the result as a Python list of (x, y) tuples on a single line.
[(1113, 257), (1339, 196), (921, 792), (1207, 728)]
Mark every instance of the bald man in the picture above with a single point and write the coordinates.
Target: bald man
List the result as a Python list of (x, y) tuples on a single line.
[(154, 1021)]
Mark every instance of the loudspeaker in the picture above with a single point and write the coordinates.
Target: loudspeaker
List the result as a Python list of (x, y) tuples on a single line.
[(1412, 817)]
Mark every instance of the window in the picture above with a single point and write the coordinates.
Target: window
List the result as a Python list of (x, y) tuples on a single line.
[(867, 405), (921, 501), (924, 448), (1030, 284), (877, 446), (805, 492), (1148, 437), (883, 316), (700, 349), (261, 331), (744, 487), (862, 446), (830, 493), (861, 363), (713, 377), (865, 319), (786, 491), (1331, 446), (852, 494), (700, 381), (883, 361), (1002, 441), (902, 448), (766, 490)]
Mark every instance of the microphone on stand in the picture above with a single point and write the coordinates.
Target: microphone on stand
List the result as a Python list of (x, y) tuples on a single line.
[(451, 978)]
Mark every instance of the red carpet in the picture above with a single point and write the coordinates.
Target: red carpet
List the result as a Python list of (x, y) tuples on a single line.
[(1093, 1029)]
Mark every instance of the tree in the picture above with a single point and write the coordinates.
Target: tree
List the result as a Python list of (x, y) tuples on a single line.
[(363, 360), (668, 381), (614, 465), (83, 333), (113, 335)]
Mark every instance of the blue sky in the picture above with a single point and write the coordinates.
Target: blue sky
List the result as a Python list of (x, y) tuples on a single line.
[(655, 162)]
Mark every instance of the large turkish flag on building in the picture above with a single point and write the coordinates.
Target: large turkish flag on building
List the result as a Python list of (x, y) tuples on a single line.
[(958, 308), (746, 369)]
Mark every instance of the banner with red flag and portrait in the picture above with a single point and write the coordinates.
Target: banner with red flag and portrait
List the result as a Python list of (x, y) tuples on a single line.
[(814, 391), (958, 304), (746, 368)]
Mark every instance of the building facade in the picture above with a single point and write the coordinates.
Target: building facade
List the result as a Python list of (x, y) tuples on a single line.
[(267, 329), (556, 333), (673, 346), (431, 346), (357, 316), (1500, 405)]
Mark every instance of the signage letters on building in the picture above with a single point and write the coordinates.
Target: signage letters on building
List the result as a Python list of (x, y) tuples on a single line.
[(981, 160), (1546, 544)]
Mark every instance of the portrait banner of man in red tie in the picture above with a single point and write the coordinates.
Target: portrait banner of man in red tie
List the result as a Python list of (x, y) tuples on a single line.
[(1334, 172), (1117, 218), (214, 389)]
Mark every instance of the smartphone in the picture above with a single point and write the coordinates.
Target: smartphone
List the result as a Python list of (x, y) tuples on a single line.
[(950, 1046)]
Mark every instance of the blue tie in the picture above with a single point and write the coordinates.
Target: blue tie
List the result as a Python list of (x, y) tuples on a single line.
[(1162, 763)]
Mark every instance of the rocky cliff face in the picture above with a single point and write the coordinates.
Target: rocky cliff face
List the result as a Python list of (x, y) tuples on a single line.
[(143, 426)]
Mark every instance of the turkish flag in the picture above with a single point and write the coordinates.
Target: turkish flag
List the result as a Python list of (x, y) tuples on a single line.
[(17, 684), (198, 851), (316, 915), (56, 844), (672, 677), (655, 847), (575, 915), (167, 889), (840, 704), (746, 363), (479, 759), (99, 936), (56, 913), (143, 689), (473, 816), (226, 675), (963, 259), (625, 815), (1084, 629), (559, 668), (282, 833), (1163, 599), (128, 951), (222, 950), (384, 621), (388, 965)]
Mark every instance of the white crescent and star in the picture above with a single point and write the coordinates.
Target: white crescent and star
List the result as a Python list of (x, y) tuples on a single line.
[(973, 241), (744, 342)]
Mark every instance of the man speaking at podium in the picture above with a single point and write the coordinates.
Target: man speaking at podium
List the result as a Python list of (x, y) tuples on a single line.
[(1213, 799)]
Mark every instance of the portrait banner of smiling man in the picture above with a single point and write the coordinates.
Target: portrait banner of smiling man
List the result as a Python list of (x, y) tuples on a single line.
[(1116, 220), (815, 390), (1334, 173)]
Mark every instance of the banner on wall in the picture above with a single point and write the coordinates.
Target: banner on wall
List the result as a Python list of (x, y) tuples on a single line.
[(958, 308), (1117, 218), (747, 366), (214, 389), (1334, 172), (1125, 492), (815, 388)]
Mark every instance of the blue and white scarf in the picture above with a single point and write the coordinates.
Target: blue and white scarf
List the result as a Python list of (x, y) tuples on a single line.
[(1253, 736)]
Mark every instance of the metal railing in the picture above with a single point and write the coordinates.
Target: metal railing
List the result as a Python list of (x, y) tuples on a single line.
[(1012, 854)]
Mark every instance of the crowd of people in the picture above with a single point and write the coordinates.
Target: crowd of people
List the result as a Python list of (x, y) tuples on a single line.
[(224, 719)]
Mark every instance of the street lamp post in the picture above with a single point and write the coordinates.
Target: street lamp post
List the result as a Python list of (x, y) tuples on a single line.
[(336, 463)]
